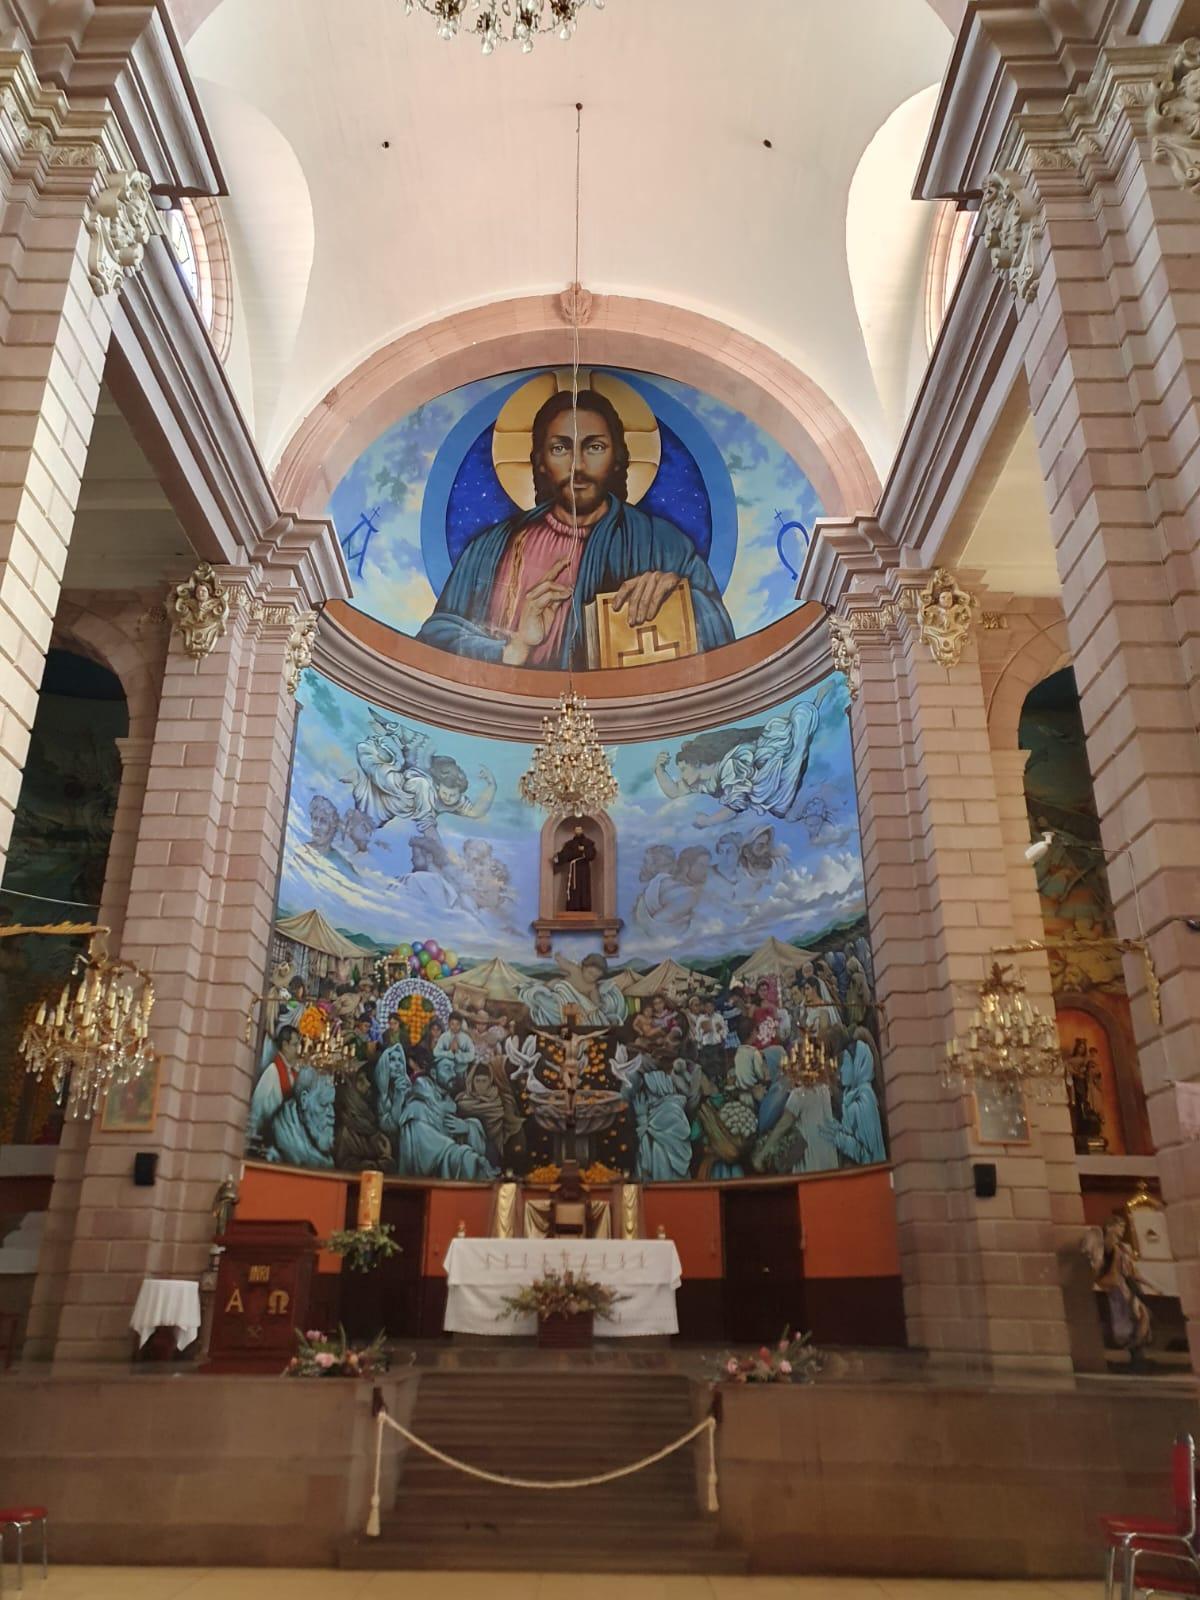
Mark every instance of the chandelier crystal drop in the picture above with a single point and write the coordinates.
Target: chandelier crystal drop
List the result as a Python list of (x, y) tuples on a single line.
[(1008, 1042), (570, 774), (496, 22), (97, 1036)]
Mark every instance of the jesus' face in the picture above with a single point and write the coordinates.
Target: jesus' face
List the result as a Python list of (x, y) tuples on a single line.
[(576, 462)]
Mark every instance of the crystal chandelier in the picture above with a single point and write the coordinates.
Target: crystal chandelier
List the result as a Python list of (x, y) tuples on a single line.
[(1009, 1041), (808, 1064), (496, 22), (324, 1044), (570, 774), (97, 1036)]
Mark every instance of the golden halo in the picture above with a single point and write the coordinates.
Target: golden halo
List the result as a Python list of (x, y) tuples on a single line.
[(512, 437)]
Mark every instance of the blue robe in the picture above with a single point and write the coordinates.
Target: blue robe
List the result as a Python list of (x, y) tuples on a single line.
[(623, 544)]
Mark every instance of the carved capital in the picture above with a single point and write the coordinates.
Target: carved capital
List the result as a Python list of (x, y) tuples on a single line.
[(200, 611), (843, 647), (300, 648), (119, 226), (1011, 225), (945, 614), (1173, 121)]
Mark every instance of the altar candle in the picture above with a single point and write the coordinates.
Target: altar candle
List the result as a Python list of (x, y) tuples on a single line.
[(370, 1199)]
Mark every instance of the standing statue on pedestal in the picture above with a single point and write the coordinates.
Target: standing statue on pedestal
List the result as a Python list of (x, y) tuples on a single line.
[(224, 1204), (575, 859)]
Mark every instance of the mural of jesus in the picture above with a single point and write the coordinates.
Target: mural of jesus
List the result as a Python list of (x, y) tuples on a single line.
[(518, 592)]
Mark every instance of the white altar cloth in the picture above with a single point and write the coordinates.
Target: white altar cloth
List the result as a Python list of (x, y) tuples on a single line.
[(481, 1272), (167, 1303)]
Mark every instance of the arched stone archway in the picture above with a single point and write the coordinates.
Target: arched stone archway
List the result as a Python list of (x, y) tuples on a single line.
[(509, 335)]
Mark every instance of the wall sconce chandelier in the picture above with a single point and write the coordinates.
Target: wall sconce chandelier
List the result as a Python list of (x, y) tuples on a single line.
[(570, 775), (97, 1035), (1008, 1041), (495, 22), (324, 1044)]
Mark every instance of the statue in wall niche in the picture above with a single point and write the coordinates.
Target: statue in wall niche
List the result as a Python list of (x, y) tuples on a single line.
[(575, 860), (1116, 1275), (224, 1204), (201, 611)]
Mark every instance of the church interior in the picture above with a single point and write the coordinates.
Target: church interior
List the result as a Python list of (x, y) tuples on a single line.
[(599, 798)]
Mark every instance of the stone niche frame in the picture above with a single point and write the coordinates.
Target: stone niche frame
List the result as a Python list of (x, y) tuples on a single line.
[(603, 919)]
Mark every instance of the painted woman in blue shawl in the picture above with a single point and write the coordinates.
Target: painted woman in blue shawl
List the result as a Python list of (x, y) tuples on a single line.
[(518, 591), (858, 1132)]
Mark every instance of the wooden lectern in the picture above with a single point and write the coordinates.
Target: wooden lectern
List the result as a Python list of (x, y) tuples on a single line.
[(263, 1286)]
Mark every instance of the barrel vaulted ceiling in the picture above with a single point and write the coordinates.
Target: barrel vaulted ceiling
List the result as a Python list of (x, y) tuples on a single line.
[(381, 179)]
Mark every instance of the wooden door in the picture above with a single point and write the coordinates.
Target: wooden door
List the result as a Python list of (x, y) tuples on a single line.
[(388, 1296), (764, 1268)]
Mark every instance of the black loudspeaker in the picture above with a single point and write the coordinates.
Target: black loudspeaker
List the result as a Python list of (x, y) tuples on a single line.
[(145, 1168), (985, 1180)]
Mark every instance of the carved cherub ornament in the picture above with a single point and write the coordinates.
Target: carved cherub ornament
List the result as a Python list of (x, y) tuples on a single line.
[(201, 611), (945, 615)]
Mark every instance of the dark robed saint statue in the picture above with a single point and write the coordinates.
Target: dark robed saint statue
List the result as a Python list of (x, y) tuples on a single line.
[(518, 592), (575, 860)]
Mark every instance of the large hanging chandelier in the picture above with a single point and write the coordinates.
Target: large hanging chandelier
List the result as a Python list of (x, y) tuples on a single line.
[(570, 775), (495, 22), (97, 1036), (1009, 1041), (323, 1042)]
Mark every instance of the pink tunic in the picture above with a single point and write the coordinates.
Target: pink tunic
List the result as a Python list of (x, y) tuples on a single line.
[(531, 554)]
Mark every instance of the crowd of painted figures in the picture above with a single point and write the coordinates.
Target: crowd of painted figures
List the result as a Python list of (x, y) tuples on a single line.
[(701, 1082)]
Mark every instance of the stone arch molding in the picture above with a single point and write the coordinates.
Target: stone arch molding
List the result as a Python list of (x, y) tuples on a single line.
[(1038, 650), (509, 335)]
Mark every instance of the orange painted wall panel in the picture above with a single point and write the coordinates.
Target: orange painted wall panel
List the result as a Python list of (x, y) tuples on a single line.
[(447, 1208), (849, 1223), (266, 1196), (692, 1218)]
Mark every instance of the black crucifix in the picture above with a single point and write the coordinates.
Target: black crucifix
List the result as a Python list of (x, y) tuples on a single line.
[(575, 859)]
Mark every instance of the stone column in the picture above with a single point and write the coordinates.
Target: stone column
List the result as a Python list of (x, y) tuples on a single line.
[(74, 217), (1100, 243), (199, 915), (980, 1275)]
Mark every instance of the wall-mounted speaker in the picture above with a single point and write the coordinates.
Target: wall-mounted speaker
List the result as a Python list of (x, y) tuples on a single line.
[(985, 1180), (145, 1168)]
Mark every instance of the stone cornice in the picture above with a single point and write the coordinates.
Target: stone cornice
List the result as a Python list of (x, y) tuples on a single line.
[(1011, 56), (173, 391), (125, 54), (417, 684)]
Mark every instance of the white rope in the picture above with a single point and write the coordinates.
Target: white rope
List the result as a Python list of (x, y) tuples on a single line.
[(708, 1426)]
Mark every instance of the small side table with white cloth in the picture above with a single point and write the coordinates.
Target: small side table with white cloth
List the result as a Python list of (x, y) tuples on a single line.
[(481, 1273), (167, 1303)]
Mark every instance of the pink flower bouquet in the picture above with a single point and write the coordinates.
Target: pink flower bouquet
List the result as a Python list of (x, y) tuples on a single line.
[(791, 1360)]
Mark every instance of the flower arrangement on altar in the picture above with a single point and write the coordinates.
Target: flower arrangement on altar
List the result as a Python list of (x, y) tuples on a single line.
[(327, 1355), (562, 1294), (543, 1177), (599, 1173), (790, 1360), (363, 1248)]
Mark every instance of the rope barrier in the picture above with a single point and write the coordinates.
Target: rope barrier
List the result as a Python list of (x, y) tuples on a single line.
[(383, 1419)]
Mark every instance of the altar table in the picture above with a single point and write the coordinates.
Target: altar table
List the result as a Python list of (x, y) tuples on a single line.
[(481, 1272), (167, 1303)]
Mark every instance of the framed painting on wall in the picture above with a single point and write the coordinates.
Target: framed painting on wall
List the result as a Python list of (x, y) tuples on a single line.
[(1000, 1114), (132, 1107)]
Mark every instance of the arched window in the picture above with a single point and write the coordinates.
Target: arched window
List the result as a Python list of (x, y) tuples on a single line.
[(197, 238), (947, 256)]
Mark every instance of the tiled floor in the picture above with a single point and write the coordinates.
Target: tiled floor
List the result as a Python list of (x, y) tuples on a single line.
[(233, 1583)]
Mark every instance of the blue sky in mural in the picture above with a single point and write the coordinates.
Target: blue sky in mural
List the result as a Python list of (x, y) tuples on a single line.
[(765, 842), (760, 484)]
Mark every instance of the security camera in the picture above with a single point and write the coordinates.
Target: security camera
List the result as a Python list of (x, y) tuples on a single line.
[(1036, 851), (1193, 923)]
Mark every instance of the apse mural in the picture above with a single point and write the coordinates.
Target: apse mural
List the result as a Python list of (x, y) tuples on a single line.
[(645, 523), (734, 1035)]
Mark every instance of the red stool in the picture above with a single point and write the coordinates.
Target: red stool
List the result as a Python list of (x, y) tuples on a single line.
[(20, 1518)]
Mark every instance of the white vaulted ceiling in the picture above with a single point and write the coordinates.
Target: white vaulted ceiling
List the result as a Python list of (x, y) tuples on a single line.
[(340, 245)]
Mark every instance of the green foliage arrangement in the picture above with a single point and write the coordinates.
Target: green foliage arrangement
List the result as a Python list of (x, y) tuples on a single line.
[(364, 1248), (562, 1294)]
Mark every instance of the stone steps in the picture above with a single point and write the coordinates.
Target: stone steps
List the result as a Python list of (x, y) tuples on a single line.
[(549, 1424)]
